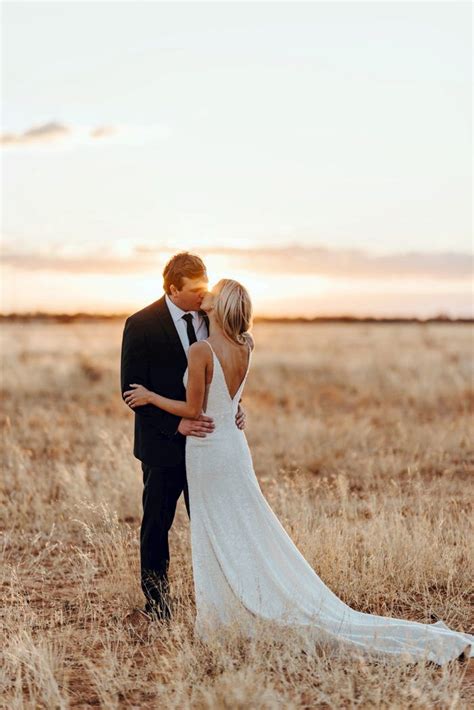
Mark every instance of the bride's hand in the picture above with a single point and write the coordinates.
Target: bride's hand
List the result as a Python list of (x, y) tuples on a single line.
[(137, 397)]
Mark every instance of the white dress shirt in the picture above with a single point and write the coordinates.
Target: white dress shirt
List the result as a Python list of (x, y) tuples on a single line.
[(177, 314)]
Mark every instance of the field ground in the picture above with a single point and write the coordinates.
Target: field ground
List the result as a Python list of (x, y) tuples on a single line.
[(360, 436)]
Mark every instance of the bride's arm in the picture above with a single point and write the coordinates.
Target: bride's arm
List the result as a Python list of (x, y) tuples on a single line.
[(198, 355)]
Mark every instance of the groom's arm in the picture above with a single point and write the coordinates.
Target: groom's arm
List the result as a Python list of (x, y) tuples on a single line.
[(134, 368)]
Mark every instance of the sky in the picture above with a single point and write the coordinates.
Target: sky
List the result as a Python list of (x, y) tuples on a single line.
[(319, 152)]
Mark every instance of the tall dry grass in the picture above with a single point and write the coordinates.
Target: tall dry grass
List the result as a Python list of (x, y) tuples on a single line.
[(361, 442)]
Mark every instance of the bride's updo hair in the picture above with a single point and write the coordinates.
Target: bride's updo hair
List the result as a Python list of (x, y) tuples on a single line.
[(233, 309)]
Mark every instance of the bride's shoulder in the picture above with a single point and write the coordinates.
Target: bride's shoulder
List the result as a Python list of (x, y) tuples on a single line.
[(200, 350)]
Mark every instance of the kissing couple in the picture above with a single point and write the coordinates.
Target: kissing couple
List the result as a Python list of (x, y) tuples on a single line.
[(184, 363)]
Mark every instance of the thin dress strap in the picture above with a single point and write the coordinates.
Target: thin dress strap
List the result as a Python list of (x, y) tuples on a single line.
[(207, 341), (247, 343)]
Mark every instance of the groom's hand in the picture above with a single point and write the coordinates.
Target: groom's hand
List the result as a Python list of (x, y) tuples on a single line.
[(240, 418), (197, 427)]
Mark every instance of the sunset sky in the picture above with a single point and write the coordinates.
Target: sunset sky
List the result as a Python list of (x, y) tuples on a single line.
[(318, 152)]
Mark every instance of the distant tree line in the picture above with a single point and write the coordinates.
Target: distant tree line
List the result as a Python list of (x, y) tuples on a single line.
[(99, 317)]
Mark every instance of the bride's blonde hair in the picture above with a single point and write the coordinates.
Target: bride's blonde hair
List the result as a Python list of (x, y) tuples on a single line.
[(233, 309)]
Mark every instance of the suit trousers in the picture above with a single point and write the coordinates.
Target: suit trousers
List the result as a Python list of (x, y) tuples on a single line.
[(162, 486)]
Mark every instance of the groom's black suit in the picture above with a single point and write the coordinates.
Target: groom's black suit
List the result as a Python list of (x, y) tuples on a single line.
[(153, 356)]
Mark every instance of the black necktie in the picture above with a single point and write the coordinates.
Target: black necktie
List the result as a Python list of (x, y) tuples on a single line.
[(205, 318), (188, 317)]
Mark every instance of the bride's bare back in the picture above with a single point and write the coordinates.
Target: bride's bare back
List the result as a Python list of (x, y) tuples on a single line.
[(233, 359)]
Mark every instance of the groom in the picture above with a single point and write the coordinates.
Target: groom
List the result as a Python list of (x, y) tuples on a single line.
[(155, 343)]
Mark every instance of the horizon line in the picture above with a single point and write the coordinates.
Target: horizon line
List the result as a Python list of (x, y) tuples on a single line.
[(68, 317)]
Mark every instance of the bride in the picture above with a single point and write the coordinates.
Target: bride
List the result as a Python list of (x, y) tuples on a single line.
[(245, 565)]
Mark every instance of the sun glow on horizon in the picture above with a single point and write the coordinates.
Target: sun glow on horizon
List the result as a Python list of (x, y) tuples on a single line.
[(266, 286), (272, 294)]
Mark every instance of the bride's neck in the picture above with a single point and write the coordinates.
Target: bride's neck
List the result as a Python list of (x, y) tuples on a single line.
[(215, 328)]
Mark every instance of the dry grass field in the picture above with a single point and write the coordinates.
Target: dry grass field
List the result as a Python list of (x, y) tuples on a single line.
[(360, 436)]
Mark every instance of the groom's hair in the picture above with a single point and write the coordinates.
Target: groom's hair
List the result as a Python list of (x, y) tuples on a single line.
[(182, 264)]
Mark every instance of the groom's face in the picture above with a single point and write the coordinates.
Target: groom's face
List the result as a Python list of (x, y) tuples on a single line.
[(190, 296)]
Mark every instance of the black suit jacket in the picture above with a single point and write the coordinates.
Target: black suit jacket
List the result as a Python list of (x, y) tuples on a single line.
[(153, 356)]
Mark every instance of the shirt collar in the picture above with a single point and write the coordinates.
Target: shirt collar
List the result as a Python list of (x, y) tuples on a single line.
[(176, 311)]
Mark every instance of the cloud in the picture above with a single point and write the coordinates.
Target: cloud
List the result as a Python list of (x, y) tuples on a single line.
[(290, 259), (44, 133), (297, 259), (91, 263), (60, 135), (102, 131), (53, 132)]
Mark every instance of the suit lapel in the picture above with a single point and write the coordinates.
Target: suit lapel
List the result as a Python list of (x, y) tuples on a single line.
[(169, 327)]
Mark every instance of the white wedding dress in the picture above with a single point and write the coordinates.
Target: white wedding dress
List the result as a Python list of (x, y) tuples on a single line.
[(246, 567)]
